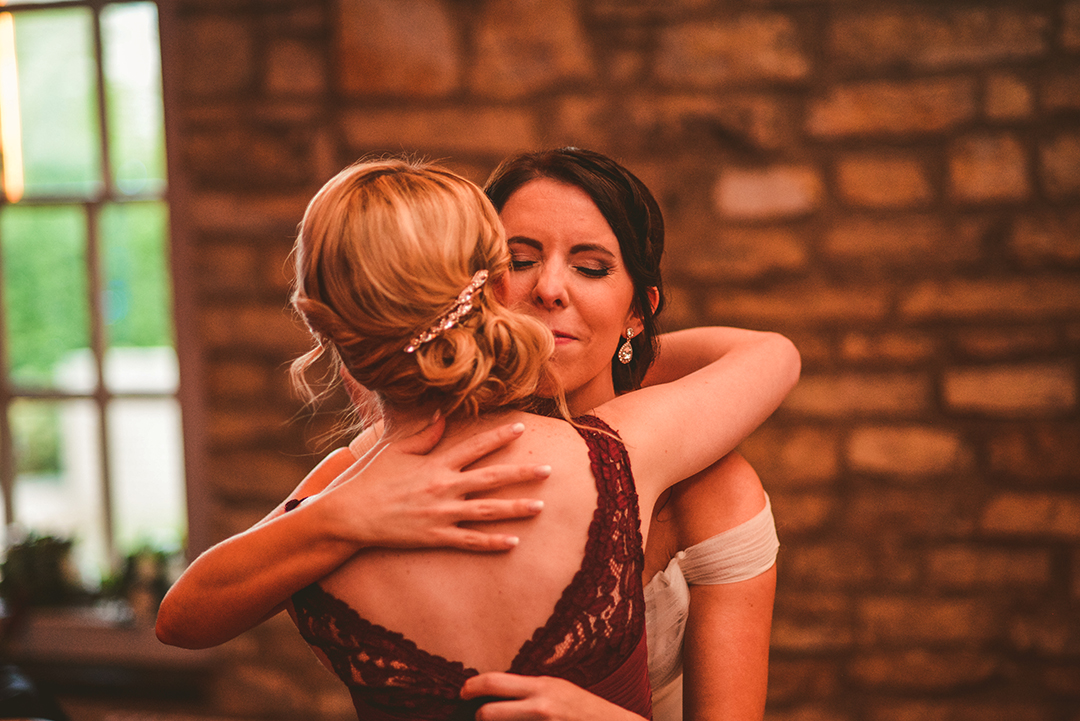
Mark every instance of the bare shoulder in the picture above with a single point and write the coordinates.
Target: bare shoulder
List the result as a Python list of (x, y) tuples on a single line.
[(721, 497)]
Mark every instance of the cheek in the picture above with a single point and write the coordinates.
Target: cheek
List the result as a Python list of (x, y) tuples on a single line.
[(514, 290)]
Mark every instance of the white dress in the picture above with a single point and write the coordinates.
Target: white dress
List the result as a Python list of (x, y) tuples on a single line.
[(738, 554)]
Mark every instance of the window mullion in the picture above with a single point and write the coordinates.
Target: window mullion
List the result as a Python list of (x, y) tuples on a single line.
[(7, 442), (95, 285)]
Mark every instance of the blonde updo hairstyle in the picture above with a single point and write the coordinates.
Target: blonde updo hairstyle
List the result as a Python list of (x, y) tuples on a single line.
[(384, 250)]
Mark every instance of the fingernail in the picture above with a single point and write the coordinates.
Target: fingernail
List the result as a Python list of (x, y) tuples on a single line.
[(543, 471), (536, 506), (512, 540), (518, 428)]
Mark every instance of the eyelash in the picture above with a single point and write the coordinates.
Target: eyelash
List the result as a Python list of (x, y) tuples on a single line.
[(603, 271)]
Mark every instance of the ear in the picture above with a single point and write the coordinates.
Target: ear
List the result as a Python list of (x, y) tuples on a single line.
[(634, 319)]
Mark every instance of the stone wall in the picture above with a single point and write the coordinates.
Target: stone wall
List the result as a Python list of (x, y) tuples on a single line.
[(894, 185)]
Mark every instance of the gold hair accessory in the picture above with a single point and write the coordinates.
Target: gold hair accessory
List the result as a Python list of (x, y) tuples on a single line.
[(449, 319), (626, 351)]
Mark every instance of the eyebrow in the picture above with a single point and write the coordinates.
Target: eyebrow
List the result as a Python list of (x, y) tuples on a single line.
[(574, 249)]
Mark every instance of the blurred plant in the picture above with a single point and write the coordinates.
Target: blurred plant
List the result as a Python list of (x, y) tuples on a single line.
[(38, 572)]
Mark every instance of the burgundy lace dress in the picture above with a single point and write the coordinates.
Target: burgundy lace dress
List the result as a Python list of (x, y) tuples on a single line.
[(595, 638)]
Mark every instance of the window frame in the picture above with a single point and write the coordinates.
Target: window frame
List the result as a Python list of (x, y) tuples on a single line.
[(189, 390)]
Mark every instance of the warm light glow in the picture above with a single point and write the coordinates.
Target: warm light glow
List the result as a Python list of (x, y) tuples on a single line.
[(10, 125)]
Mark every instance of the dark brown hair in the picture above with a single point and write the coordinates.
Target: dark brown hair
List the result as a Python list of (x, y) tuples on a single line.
[(633, 215)]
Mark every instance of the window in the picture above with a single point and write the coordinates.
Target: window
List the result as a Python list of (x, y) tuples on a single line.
[(90, 425)]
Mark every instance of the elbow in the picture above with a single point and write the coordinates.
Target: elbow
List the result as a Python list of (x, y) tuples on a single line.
[(173, 631)]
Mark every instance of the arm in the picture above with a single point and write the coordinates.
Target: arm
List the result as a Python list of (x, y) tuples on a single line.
[(243, 580), (748, 376), (726, 645)]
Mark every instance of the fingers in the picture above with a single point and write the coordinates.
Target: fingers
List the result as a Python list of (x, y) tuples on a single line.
[(494, 509), (492, 477), (494, 683), (476, 447)]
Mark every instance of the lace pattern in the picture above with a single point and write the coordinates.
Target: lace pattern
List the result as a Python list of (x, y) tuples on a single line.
[(597, 623)]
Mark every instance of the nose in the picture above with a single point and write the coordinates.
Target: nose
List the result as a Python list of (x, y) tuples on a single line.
[(550, 289)]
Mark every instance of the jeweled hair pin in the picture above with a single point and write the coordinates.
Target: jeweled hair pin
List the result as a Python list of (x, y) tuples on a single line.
[(450, 318)]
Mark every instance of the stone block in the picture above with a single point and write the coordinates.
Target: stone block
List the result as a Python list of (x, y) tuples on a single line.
[(1033, 297), (1007, 342), (898, 242), (1070, 26), (883, 181), (234, 426), (799, 457), (1050, 631), (847, 395), (1047, 515), (404, 48), (921, 671), (227, 268), (1008, 97), (1059, 165), (252, 327), (239, 380), (267, 214), (732, 120), (745, 254), (486, 131), (797, 304), (781, 191), (936, 37), (1006, 390), (811, 621), (904, 451), (802, 679), (295, 68), (748, 47), (219, 56), (526, 46), (926, 619), (827, 565), (1050, 238), (971, 567), (1035, 451), (962, 705), (802, 513), (1059, 91), (915, 512), (889, 108), (988, 168), (892, 347)]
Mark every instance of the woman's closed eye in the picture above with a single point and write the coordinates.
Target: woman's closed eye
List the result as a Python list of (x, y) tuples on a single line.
[(598, 270), (519, 263)]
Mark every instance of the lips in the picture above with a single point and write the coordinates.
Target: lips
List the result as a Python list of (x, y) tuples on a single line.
[(561, 337)]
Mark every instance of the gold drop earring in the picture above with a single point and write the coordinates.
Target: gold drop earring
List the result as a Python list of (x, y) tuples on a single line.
[(626, 351)]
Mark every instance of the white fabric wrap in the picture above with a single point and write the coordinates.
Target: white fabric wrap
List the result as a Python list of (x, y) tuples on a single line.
[(738, 554)]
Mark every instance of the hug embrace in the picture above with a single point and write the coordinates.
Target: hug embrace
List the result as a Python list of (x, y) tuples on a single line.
[(544, 480)]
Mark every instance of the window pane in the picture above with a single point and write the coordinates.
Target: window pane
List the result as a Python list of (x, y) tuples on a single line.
[(58, 481), (137, 299), (45, 298), (58, 103), (133, 95), (147, 472)]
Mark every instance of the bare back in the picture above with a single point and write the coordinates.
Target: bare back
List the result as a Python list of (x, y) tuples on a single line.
[(480, 608)]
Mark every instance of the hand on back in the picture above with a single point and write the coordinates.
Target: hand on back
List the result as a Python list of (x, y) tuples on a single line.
[(426, 495)]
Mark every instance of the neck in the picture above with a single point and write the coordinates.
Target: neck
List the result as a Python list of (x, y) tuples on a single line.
[(402, 422), (594, 393)]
